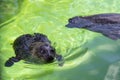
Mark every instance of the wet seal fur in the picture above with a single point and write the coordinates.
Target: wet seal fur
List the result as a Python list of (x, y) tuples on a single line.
[(33, 48), (107, 24)]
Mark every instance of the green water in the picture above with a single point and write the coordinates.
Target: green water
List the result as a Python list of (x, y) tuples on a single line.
[(88, 55)]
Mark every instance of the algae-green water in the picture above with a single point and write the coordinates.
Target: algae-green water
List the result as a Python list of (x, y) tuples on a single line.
[(88, 55)]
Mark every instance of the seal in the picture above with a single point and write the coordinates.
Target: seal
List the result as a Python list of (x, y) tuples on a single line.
[(107, 24), (33, 48)]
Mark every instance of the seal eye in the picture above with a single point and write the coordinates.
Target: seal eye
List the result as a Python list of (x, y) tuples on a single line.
[(52, 50), (74, 21), (70, 20), (43, 51)]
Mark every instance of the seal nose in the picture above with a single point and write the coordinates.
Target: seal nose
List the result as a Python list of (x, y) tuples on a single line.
[(66, 25), (69, 25)]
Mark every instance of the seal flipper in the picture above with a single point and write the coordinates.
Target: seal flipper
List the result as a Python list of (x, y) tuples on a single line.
[(60, 60), (11, 61)]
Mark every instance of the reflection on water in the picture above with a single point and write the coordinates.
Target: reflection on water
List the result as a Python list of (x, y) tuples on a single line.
[(113, 72)]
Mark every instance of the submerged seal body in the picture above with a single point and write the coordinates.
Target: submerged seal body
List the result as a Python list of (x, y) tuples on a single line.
[(107, 24), (34, 48)]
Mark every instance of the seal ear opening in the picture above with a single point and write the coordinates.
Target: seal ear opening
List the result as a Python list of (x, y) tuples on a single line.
[(11, 61)]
